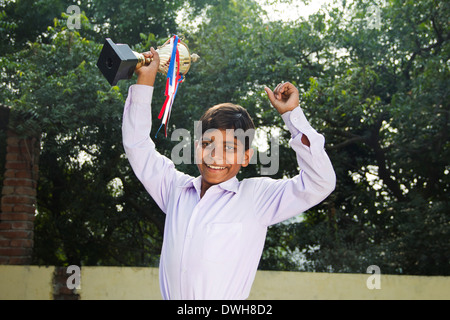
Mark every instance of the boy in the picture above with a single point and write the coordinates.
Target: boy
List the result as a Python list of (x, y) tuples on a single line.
[(216, 225)]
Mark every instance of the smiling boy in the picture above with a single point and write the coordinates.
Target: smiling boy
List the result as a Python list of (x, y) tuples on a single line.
[(215, 224), (222, 151)]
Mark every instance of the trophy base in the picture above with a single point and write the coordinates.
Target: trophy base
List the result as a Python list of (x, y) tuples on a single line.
[(117, 61)]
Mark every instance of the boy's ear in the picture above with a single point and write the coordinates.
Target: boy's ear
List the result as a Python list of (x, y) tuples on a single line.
[(248, 156)]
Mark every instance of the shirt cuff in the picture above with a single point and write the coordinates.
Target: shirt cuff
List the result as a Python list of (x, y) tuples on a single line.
[(296, 122)]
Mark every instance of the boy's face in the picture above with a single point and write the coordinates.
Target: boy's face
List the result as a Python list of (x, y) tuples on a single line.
[(220, 156)]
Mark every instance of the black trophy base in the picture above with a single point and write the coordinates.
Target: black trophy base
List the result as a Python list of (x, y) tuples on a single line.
[(116, 61)]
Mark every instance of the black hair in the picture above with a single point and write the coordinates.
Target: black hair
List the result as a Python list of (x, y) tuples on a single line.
[(229, 116)]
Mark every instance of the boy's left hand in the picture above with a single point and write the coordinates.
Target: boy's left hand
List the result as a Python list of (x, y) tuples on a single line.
[(284, 98)]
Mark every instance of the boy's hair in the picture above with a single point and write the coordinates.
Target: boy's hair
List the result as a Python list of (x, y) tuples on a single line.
[(229, 116)]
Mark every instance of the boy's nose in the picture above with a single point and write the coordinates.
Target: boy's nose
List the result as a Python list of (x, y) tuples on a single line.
[(215, 156)]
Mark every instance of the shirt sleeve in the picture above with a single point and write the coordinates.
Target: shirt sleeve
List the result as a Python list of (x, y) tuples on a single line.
[(278, 200), (156, 172)]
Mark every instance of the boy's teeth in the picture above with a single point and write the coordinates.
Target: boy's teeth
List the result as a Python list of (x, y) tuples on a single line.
[(217, 168)]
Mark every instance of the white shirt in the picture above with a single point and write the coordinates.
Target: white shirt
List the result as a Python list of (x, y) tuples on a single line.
[(212, 245)]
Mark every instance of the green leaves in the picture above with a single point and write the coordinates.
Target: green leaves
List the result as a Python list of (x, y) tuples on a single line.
[(379, 96)]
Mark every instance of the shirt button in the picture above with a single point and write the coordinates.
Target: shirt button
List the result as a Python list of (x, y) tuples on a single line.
[(294, 119)]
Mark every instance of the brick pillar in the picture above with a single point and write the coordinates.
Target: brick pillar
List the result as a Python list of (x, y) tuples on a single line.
[(18, 202)]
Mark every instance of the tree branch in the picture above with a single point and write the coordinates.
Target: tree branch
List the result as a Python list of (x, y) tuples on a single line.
[(380, 157), (346, 143)]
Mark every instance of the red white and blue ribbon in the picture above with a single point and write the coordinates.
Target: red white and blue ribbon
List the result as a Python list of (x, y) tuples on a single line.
[(174, 78)]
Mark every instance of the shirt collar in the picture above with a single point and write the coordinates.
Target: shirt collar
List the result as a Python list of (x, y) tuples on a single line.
[(229, 185)]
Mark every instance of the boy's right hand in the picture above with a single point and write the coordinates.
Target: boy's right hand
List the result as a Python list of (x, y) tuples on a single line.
[(147, 74)]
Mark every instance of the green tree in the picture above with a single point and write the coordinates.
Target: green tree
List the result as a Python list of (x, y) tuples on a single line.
[(382, 102), (380, 97), (124, 20), (25, 20), (84, 178)]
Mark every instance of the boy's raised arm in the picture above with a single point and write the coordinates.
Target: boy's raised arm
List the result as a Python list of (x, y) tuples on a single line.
[(278, 200), (156, 172)]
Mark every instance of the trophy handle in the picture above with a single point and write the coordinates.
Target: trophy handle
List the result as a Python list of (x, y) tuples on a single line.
[(142, 60), (165, 53)]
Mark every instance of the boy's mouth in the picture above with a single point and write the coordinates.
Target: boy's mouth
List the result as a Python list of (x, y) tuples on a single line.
[(216, 167)]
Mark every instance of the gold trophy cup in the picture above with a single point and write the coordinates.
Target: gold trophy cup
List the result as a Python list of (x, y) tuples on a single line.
[(118, 61)]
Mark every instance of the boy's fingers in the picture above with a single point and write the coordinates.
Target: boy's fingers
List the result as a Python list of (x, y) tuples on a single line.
[(282, 91), (277, 91), (288, 90), (155, 54), (284, 98), (273, 100), (152, 54), (270, 94)]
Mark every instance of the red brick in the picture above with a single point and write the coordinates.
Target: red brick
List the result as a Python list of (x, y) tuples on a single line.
[(8, 190), (14, 251), (26, 150), (10, 174), (22, 225), (18, 199), (22, 165), (16, 216), (22, 243), (28, 191), (23, 260), (23, 174), (13, 141), (16, 234), (5, 243), (5, 225), (13, 149), (15, 199), (4, 260), (26, 208), (15, 157), (7, 208), (19, 182)]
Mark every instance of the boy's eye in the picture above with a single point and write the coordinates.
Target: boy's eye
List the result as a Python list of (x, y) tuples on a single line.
[(229, 148)]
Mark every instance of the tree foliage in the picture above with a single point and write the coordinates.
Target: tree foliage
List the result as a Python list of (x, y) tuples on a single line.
[(379, 95), (382, 102)]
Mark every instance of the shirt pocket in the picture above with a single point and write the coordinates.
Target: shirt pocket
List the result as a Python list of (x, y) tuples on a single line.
[(222, 241)]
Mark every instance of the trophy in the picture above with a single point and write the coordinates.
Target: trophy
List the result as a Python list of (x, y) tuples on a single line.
[(118, 61)]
